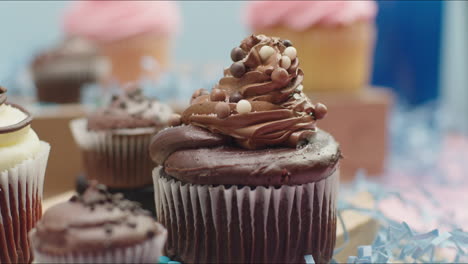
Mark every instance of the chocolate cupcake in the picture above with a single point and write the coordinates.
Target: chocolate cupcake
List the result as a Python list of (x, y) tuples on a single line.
[(23, 160), (59, 73), (249, 178), (115, 140), (97, 227)]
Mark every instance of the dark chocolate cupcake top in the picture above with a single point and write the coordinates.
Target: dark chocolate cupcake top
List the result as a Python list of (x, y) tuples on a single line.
[(92, 222), (73, 58), (256, 126), (130, 110)]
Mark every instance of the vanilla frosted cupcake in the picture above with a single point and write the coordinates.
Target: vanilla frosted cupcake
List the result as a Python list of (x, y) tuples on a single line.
[(23, 160), (114, 140), (126, 32), (335, 38)]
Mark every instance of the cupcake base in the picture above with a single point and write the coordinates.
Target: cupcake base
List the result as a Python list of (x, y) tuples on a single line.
[(59, 91), (220, 224), (118, 159), (21, 206), (143, 195)]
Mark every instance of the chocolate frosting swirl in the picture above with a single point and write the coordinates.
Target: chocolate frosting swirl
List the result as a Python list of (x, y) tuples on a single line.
[(270, 84), (20, 125)]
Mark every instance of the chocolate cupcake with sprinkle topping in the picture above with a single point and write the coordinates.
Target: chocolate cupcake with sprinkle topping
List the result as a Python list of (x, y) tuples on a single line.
[(248, 177), (114, 140), (97, 227)]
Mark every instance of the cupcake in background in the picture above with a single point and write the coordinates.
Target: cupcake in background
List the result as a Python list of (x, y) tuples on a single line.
[(23, 160), (335, 38), (97, 227), (114, 140), (60, 73), (135, 35)]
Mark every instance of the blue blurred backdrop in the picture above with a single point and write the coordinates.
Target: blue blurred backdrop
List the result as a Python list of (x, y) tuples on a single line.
[(408, 57)]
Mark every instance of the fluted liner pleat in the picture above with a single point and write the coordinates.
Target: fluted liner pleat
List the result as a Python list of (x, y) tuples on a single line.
[(118, 160), (21, 190), (217, 224)]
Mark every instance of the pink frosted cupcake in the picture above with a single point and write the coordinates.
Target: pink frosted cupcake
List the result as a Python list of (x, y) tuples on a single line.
[(335, 38), (126, 32)]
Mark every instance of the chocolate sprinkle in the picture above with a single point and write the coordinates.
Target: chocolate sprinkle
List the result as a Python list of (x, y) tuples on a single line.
[(150, 234), (235, 97), (108, 229), (287, 43)]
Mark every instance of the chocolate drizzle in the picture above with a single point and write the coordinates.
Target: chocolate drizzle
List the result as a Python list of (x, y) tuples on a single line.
[(20, 125), (3, 95), (271, 81)]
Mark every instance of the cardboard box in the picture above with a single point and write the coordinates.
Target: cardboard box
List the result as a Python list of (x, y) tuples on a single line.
[(359, 122)]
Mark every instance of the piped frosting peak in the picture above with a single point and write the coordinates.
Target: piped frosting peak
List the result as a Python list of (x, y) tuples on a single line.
[(259, 102)]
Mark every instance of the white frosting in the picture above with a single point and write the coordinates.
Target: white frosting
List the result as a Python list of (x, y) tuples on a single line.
[(15, 147)]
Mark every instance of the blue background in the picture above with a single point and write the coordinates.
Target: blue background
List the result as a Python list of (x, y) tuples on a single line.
[(408, 52)]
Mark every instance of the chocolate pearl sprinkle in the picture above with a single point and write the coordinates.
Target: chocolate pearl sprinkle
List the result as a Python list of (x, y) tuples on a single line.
[(238, 69), (174, 120), (217, 95), (73, 199), (235, 97), (320, 111), (279, 75), (237, 54), (287, 43), (222, 110)]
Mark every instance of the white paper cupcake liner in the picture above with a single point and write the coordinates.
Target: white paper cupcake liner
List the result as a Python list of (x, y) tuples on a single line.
[(118, 158), (218, 224), (21, 190), (146, 252)]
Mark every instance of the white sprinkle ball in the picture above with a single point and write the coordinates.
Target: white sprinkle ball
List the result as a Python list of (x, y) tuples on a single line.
[(291, 52), (300, 88), (285, 62), (243, 107), (265, 52)]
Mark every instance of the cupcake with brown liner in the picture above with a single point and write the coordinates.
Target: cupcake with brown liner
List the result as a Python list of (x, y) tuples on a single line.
[(114, 140), (60, 72), (248, 177), (23, 160), (97, 227)]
